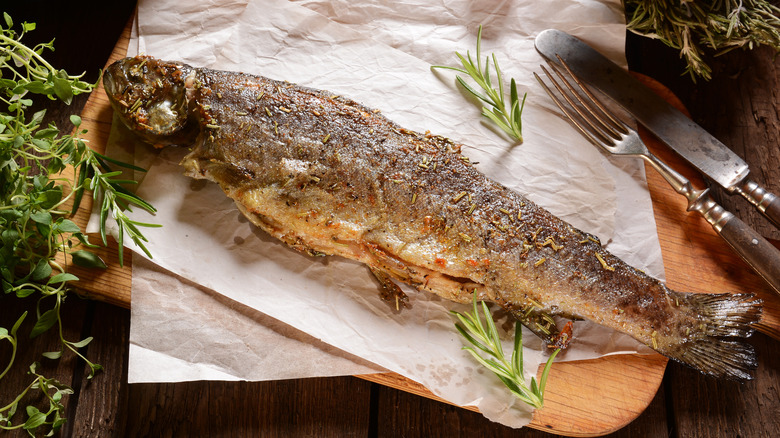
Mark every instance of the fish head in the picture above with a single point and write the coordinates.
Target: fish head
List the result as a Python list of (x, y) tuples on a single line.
[(150, 97)]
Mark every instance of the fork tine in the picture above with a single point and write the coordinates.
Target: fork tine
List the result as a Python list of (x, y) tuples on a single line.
[(584, 120), (571, 112), (587, 114), (583, 105), (620, 126)]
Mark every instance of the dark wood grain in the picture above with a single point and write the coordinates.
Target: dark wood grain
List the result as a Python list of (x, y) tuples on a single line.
[(321, 407), (703, 407), (98, 412), (66, 370), (741, 108), (403, 414)]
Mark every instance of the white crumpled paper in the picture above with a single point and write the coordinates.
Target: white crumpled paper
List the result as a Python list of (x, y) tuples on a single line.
[(378, 53)]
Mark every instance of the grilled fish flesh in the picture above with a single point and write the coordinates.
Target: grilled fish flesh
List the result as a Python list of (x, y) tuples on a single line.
[(329, 176)]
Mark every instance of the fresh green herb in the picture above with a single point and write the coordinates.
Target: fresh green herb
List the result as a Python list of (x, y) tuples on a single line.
[(54, 417), (693, 27), (37, 240), (491, 354), (509, 120)]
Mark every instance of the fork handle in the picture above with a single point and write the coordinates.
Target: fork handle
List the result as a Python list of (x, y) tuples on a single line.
[(766, 202), (754, 249)]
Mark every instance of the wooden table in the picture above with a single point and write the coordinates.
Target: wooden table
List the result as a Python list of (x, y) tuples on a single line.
[(739, 105)]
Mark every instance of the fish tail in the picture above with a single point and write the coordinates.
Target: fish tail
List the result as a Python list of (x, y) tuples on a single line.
[(716, 345)]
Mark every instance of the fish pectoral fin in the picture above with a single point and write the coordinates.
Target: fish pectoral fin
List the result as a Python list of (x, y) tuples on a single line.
[(543, 325), (390, 291)]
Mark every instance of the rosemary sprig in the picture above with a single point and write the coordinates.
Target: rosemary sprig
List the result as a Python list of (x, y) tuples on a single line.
[(509, 120), (34, 225), (693, 27), (491, 354)]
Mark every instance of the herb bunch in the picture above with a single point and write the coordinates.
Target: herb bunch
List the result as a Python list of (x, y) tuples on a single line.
[(509, 120), (692, 27), (37, 240), (490, 353)]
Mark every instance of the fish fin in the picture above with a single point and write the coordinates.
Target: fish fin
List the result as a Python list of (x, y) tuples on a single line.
[(714, 347), (390, 292), (542, 325)]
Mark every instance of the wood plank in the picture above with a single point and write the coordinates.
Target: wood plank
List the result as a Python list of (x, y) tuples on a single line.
[(99, 412), (583, 398), (401, 413), (168, 409), (111, 285), (744, 92), (29, 351), (321, 407), (710, 408)]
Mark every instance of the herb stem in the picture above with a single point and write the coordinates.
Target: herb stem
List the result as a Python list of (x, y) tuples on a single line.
[(484, 338), (509, 120)]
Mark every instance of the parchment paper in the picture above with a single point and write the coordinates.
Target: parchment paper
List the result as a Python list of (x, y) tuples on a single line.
[(379, 54)]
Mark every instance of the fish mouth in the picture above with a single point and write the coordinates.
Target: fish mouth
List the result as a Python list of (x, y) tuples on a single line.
[(151, 97)]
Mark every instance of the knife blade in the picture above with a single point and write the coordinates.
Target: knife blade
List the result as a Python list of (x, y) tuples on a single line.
[(673, 128)]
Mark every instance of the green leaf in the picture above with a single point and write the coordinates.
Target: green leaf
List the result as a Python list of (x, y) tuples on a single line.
[(50, 133), (41, 144), (76, 120), (19, 321), (63, 277), (38, 87), (41, 217), (119, 162), (24, 292), (8, 21), (36, 420), (49, 198), (42, 270), (7, 286), (82, 343), (87, 259), (54, 355), (62, 88), (68, 226), (44, 323), (93, 369)]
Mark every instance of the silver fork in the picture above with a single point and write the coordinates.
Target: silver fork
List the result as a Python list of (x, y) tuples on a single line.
[(602, 128)]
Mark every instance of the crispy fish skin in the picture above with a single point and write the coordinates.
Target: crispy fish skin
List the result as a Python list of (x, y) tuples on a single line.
[(327, 175)]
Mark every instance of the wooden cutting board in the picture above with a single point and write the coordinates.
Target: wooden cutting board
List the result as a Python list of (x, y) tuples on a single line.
[(583, 398)]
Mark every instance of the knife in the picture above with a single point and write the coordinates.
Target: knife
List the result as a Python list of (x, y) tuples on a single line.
[(689, 140)]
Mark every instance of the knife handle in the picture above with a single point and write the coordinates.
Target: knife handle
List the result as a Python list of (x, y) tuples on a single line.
[(763, 200), (754, 249)]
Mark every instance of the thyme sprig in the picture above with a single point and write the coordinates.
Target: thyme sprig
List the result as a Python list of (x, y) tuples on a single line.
[(509, 120), (54, 417), (490, 353), (37, 239), (693, 27)]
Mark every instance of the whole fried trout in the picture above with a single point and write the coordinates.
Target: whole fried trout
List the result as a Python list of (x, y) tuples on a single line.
[(329, 176)]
